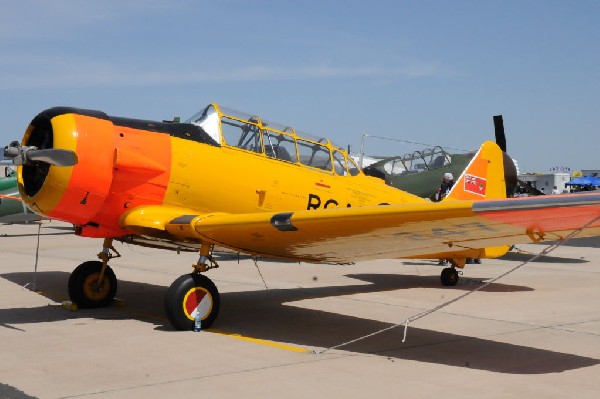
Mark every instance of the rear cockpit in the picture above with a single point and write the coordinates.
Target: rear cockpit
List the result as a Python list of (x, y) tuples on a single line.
[(251, 133)]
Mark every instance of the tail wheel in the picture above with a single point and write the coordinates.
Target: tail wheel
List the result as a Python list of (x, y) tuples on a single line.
[(85, 289), (449, 276), (189, 295)]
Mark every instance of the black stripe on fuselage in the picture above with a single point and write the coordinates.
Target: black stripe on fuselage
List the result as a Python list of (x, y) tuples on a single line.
[(186, 131), (57, 111)]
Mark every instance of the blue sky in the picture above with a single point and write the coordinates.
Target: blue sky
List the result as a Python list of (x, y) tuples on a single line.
[(427, 71)]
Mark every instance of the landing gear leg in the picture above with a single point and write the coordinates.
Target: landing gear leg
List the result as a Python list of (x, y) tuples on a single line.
[(194, 294), (93, 284)]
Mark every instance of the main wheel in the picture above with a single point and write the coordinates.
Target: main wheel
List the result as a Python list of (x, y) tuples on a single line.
[(86, 291), (189, 295), (449, 276)]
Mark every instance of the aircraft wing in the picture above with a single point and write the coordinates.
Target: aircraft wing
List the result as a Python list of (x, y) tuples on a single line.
[(394, 231)]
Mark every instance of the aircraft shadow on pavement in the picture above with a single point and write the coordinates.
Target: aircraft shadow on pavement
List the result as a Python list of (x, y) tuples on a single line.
[(35, 234), (522, 257), (7, 391), (62, 230), (581, 242), (271, 315)]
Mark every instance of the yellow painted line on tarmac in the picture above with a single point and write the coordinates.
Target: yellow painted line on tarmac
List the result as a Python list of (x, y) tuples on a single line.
[(259, 341)]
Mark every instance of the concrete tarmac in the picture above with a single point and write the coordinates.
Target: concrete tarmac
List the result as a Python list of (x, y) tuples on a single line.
[(533, 333)]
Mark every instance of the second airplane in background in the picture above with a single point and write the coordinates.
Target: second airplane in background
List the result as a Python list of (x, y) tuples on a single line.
[(12, 208)]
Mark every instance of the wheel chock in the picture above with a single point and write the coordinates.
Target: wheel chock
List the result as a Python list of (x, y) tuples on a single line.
[(70, 306)]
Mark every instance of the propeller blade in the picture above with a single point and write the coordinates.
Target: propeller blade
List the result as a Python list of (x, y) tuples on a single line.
[(26, 155), (499, 130), (52, 156)]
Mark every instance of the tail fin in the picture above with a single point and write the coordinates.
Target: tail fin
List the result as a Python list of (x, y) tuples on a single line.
[(491, 174)]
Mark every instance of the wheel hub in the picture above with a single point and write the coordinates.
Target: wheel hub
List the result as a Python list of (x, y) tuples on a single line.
[(94, 289), (197, 301)]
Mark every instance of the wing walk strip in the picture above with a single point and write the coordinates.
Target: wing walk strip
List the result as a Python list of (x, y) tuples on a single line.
[(418, 316)]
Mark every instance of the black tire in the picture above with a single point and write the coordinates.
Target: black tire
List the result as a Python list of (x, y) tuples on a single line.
[(188, 293), (84, 289), (449, 277)]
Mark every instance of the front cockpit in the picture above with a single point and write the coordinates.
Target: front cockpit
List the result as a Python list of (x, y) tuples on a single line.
[(251, 133)]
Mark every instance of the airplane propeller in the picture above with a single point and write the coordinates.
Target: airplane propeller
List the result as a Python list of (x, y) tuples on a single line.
[(499, 132), (26, 155)]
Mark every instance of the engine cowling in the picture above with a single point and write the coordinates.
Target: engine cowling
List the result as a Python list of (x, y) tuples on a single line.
[(75, 193)]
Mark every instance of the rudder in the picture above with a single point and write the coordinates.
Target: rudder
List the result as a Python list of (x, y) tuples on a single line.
[(486, 175)]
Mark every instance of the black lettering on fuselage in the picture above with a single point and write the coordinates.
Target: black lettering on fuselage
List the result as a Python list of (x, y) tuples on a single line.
[(314, 202), (329, 202)]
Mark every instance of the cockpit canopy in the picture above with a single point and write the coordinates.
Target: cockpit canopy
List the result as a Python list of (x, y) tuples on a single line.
[(252, 133)]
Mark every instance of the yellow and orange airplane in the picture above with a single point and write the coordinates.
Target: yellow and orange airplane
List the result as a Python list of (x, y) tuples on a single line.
[(228, 179)]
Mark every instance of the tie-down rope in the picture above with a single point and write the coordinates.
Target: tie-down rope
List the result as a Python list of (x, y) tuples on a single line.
[(418, 316)]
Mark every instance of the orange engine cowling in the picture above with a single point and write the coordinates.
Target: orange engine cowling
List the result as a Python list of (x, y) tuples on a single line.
[(121, 164), (77, 193)]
